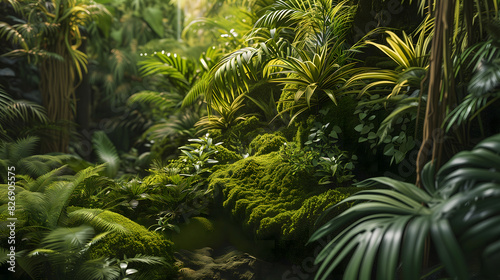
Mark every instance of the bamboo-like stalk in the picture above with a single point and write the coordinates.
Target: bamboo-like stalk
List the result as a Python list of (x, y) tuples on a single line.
[(58, 93), (441, 91)]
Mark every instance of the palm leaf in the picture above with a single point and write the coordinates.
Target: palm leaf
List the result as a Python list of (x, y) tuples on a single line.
[(392, 224), (161, 100), (106, 152)]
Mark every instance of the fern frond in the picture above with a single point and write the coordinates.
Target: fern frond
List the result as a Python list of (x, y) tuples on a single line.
[(59, 194), (38, 165), (68, 238), (22, 148), (92, 217)]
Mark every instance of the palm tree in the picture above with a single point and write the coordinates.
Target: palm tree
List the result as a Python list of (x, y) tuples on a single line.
[(299, 43), (50, 34)]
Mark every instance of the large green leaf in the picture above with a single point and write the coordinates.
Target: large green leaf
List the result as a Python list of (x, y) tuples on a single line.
[(154, 17), (388, 228)]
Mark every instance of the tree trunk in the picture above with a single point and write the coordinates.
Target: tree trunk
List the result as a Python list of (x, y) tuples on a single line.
[(57, 85), (441, 89)]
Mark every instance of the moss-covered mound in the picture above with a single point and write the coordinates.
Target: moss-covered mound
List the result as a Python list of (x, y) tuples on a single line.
[(135, 239), (262, 192), (266, 143), (225, 156)]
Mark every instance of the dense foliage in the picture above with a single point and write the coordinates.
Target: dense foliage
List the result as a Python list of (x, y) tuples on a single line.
[(132, 129)]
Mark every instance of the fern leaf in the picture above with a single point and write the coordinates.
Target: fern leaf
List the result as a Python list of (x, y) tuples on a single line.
[(92, 217)]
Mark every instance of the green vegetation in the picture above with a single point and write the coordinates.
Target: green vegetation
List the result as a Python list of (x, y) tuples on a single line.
[(271, 201), (133, 129), (454, 209)]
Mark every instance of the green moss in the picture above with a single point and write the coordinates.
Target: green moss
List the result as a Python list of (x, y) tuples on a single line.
[(225, 156), (261, 192), (268, 200), (266, 143), (136, 240)]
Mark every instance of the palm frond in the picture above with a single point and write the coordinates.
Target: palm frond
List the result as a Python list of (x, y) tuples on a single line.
[(10, 33), (107, 153), (161, 100), (177, 70), (455, 211), (199, 89), (182, 125)]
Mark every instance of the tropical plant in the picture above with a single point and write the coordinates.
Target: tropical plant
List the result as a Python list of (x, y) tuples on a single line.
[(43, 201), (175, 109), (455, 29), (137, 267), (390, 227), (314, 77), (384, 132), (177, 202), (177, 73), (63, 254), (106, 153), (335, 169), (19, 118), (396, 90), (115, 55), (307, 52), (197, 154), (181, 125), (96, 192), (49, 33), (300, 161), (483, 86), (411, 58), (22, 154), (228, 115)]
